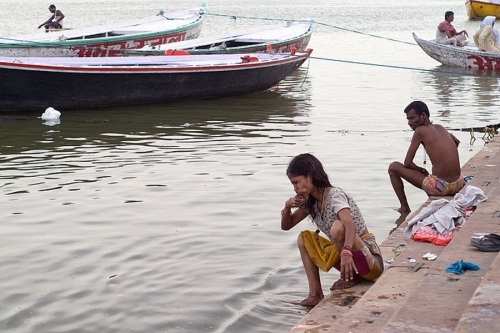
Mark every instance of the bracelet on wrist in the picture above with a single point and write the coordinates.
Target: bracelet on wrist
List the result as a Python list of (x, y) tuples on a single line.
[(345, 252), (346, 247)]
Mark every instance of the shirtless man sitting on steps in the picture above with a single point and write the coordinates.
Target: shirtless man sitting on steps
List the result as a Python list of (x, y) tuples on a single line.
[(442, 148)]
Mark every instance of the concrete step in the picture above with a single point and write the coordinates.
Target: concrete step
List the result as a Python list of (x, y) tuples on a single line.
[(483, 310), (420, 296), (482, 313), (439, 299), (336, 305)]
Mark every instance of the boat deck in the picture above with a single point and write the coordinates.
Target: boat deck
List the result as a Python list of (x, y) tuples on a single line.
[(146, 25), (211, 60), (281, 32)]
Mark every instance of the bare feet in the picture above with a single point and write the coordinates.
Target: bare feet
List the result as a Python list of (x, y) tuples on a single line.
[(342, 284), (310, 301), (403, 210)]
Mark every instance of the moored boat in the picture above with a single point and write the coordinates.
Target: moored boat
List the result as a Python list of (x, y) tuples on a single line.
[(107, 40), (480, 9), (280, 37), (73, 83), (468, 56)]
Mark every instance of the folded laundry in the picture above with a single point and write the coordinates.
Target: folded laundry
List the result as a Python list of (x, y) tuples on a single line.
[(473, 196), (461, 266)]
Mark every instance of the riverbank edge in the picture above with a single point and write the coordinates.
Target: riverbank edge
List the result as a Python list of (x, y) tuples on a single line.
[(420, 296)]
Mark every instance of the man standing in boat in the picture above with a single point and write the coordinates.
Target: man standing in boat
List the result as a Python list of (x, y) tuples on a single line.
[(55, 21), (442, 148), (447, 34)]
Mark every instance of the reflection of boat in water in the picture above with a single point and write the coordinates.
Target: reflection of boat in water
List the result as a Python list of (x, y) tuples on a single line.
[(451, 84), (486, 88), (445, 82), (142, 125)]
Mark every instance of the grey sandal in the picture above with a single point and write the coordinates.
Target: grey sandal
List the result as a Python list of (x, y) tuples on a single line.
[(487, 243)]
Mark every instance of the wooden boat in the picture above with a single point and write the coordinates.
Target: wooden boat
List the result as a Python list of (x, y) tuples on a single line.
[(281, 37), (107, 40), (480, 9), (468, 56), (73, 83)]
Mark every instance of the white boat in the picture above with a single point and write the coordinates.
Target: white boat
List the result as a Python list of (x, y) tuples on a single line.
[(467, 56), (109, 39), (280, 37)]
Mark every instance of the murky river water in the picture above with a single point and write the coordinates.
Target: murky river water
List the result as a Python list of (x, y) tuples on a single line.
[(165, 218)]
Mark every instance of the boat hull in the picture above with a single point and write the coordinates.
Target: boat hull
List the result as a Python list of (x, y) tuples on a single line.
[(40, 86), (106, 46), (280, 38), (480, 9), (459, 56)]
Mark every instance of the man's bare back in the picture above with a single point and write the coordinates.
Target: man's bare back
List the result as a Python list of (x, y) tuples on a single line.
[(440, 145), (442, 151)]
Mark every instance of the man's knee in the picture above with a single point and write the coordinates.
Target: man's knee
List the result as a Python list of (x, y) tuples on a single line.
[(394, 167)]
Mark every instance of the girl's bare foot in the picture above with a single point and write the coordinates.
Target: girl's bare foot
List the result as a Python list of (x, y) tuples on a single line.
[(342, 284)]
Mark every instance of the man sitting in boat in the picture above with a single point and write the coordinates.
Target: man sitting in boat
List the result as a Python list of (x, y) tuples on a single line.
[(446, 33), (55, 21), (487, 38)]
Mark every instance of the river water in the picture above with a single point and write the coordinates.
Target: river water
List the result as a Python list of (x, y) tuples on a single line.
[(166, 218)]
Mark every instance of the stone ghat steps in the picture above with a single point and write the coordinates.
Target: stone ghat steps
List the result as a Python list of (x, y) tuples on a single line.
[(420, 296), (483, 310)]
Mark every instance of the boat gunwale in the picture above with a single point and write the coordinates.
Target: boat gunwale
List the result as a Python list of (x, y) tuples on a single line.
[(173, 66), (455, 49), (103, 40), (236, 49), (458, 57), (238, 34)]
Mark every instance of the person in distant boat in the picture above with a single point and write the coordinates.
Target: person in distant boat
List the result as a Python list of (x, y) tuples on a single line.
[(350, 248), (487, 38), (446, 33), (442, 148), (55, 21)]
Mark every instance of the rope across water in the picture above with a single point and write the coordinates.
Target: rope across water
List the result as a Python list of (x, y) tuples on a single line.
[(490, 130)]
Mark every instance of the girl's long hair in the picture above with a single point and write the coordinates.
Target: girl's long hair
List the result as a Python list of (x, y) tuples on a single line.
[(308, 165)]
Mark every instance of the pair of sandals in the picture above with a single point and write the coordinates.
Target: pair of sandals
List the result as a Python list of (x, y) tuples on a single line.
[(487, 243)]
